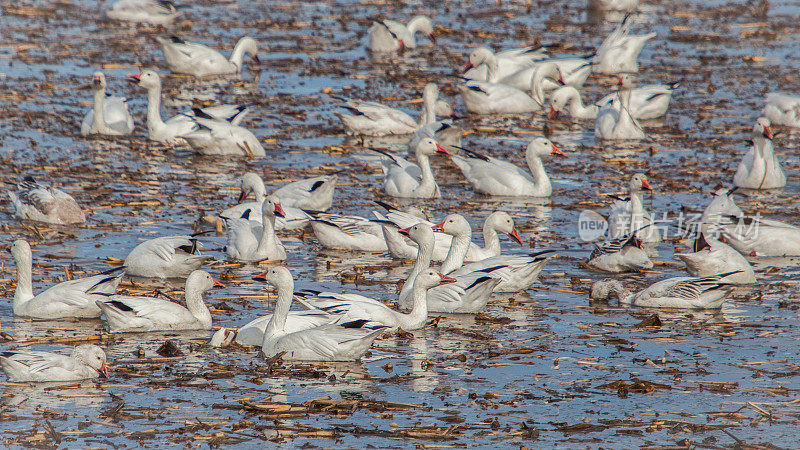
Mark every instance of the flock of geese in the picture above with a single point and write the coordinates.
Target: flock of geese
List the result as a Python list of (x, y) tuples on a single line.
[(333, 326)]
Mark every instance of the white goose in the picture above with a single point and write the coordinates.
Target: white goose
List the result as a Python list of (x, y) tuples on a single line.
[(782, 109), (253, 241), (614, 121), (42, 203), (572, 72), (314, 194), (443, 131), (174, 128), (469, 294), (619, 52), (109, 115), (154, 12), (218, 137), (332, 342), (720, 211), (760, 237), (508, 62), (486, 97), (164, 257), (492, 176), (517, 273), (408, 180), (320, 193), (202, 61), (760, 167), (252, 333), (710, 257), (73, 298), (629, 215), (86, 361), (354, 307), (341, 232), (124, 313), (647, 102), (679, 292), (622, 254), (400, 247), (392, 36)]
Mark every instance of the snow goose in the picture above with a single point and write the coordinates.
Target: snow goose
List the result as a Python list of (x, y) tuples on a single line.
[(86, 362), (252, 241), (375, 119), (679, 292), (218, 137), (355, 307), (332, 342), (409, 180), (629, 215), (710, 257), (505, 63), (73, 298), (443, 131), (760, 168), (201, 61), (757, 236), (517, 273), (571, 72), (252, 333), (782, 109), (341, 232), (391, 36), (647, 102), (125, 314), (174, 128), (314, 194), (718, 212), (42, 203), (619, 52), (614, 122), (622, 254), (164, 257), (154, 12), (492, 176), (486, 97), (293, 217), (468, 294), (109, 115)]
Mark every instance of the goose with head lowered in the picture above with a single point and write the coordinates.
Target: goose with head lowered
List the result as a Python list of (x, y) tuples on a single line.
[(679, 292), (409, 180), (486, 97), (72, 298), (164, 257), (646, 102), (153, 12), (109, 115), (614, 120), (42, 203), (123, 313), (492, 176), (86, 362), (391, 36), (621, 254), (346, 341), (202, 61), (508, 62), (709, 256)]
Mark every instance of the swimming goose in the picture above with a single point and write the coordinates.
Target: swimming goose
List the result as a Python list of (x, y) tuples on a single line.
[(679, 292), (758, 236), (174, 128), (710, 257), (782, 109), (720, 211), (332, 342), (571, 72), (760, 167), (409, 180), (314, 194), (486, 97), (508, 62), (154, 12), (86, 361), (72, 298), (392, 36), (647, 102), (401, 247), (42, 203), (492, 176), (443, 131), (317, 192), (123, 313), (619, 52), (164, 257), (210, 136), (622, 254), (615, 122), (201, 61), (109, 115), (252, 333), (467, 294), (341, 232), (629, 215), (375, 119), (252, 241)]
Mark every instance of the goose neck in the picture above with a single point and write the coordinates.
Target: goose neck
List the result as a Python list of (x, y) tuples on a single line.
[(24, 290), (196, 305)]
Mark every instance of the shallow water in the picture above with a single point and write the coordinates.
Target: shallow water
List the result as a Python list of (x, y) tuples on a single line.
[(534, 379)]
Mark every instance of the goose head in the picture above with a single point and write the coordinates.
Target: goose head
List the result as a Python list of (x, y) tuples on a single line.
[(147, 79), (424, 25), (419, 233), (454, 225), (278, 276), (271, 208), (443, 109), (560, 99), (639, 183), (481, 55), (201, 281), (430, 93), (249, 47), (430, 279), (252, 184), (429, 147), (626, 81), (722, 204), (541, 146), (501, 221), (762, 128), (98, 81), (20, 250), (91, 356)]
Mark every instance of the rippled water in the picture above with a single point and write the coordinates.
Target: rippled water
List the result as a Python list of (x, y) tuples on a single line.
[(534, 379)]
